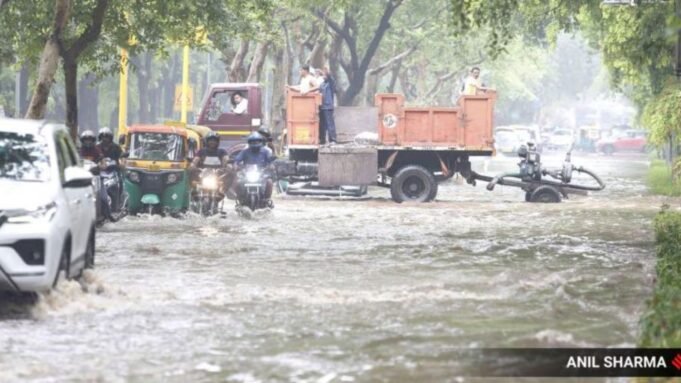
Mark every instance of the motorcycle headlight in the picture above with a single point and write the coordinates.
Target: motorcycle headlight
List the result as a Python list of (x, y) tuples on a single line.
[(41, 213), (252, 176), (134, 177), (210, 182)]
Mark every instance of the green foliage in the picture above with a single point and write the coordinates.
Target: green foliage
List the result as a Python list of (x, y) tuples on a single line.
[(662, 321), (662, 115), (661, 181)]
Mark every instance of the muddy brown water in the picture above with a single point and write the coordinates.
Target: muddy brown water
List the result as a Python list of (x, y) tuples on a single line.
[(347, 291)]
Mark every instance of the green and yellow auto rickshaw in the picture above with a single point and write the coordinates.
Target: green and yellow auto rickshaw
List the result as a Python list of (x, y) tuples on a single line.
[(157, 175)]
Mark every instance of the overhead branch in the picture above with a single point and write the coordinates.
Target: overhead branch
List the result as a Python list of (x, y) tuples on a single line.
[(91, 32), (381, 68)]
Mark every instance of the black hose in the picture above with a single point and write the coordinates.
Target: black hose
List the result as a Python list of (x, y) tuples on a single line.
[(601, 184)]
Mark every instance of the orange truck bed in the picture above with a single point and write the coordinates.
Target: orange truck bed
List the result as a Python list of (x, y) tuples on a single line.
[(467, 126)]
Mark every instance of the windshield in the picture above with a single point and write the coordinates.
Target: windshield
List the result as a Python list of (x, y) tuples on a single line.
[(506, 137), (24, 157), (157, 147)]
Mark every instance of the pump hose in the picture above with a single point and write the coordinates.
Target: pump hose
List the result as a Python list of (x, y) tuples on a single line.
[(601, 184)]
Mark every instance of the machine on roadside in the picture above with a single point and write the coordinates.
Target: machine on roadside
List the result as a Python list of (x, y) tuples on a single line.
[(531, 177)]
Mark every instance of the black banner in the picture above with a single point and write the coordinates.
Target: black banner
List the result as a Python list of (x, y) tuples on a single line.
[(572, 362)]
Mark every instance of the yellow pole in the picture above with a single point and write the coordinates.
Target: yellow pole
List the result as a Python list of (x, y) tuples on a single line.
[(185, 84), (123, 94)]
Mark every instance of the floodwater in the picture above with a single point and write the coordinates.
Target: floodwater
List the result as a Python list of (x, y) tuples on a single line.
[(345, 290)]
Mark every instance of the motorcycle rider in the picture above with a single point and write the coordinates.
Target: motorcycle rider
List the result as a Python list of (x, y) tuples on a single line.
[(210, 156), (268, 137), (257, 154), (106, 145), (88, 150)]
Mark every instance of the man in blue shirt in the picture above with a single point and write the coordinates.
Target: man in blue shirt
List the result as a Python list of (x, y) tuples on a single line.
[(257, 154), (326, 122)]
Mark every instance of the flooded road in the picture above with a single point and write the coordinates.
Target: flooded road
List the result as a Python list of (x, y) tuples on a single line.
[(347, 291)]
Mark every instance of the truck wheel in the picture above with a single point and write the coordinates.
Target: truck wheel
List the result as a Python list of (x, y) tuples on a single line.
[(528, 196), (545, 194), (413, 183)]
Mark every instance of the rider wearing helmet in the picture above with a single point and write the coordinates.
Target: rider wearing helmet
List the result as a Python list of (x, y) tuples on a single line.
[(267, 136), (88, 149), (106, 145), (212, 155), (257, 154)]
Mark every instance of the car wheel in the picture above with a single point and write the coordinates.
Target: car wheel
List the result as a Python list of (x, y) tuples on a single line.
[(413, 183), (608, 150), (62, 273), (545, 194)]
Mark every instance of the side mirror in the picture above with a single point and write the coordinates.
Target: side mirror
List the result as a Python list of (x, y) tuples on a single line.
[(121, 140), (77, 177)]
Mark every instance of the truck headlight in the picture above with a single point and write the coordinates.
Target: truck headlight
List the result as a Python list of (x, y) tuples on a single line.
[(41, 213), (255, 122)]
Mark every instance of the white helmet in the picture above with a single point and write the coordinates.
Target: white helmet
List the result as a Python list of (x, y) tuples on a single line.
[(104, 132)]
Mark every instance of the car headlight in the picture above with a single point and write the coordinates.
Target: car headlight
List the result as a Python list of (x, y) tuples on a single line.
[(134, 177), (252, 176), (41, 213), (210, 182)]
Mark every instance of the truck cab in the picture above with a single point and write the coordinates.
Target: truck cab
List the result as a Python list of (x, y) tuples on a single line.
[(218, 111)]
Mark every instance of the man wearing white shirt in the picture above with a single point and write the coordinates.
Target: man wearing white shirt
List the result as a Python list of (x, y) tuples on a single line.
[(239, 103)]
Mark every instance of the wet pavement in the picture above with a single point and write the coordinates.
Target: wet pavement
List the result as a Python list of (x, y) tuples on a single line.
[(324, 290)]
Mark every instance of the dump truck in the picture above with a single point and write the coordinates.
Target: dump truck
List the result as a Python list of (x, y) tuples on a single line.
[(415, 147)]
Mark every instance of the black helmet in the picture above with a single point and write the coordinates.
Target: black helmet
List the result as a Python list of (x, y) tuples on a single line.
[(255, 141), (265, 132), (211, 136), (522, 151)]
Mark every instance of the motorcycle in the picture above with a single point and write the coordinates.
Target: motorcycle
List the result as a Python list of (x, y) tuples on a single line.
[(208, 194), (112, 195), (252, 182)]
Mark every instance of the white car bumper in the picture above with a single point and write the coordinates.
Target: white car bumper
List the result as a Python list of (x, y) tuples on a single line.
[(41, 246)]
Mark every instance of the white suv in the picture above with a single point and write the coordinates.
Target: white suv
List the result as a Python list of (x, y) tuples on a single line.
[(47, 207)]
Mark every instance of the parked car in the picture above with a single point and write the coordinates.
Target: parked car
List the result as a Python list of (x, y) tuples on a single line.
[(506, 141), (47, 209), (561, 139), (529, 133), (627, 141)]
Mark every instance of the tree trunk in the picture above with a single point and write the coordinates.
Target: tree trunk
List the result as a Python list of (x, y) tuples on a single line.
[(89, 102), (71, 91), (236, 69), (23, 91), (153, 104), (281, 79), (258, 60), (143, 65), (169, 79), (316, 58), (48, 62)]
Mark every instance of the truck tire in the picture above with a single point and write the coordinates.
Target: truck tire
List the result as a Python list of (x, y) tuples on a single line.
[(413, 183), (545, 194)]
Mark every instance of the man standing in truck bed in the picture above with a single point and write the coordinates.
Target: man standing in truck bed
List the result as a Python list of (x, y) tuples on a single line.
[(326, 123)]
